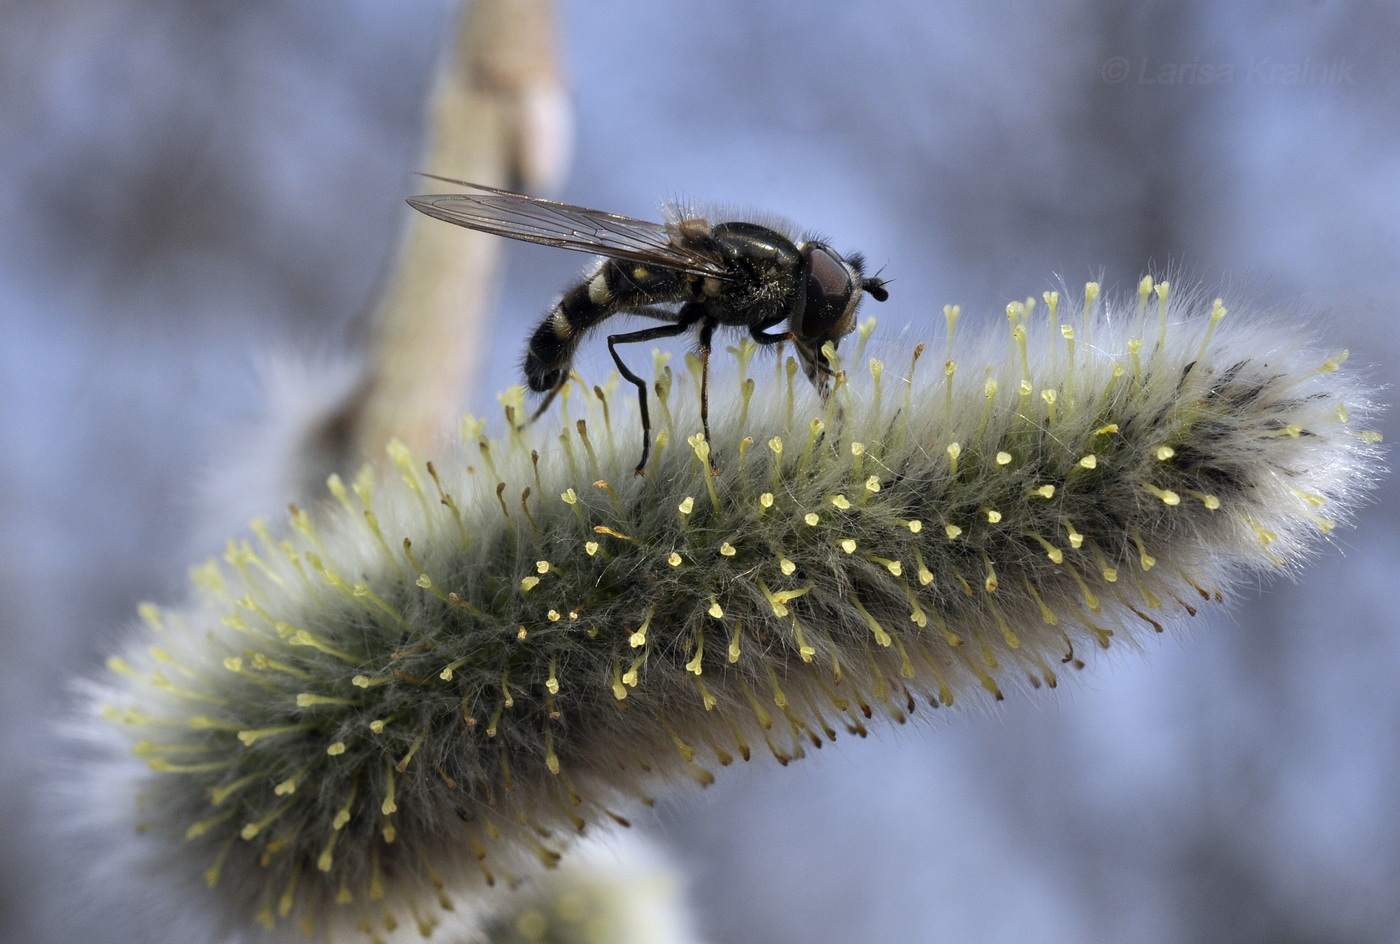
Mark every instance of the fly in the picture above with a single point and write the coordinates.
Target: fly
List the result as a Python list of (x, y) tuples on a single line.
[(687, 272)]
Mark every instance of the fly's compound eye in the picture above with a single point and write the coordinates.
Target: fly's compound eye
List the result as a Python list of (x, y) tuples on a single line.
[(832, 291)]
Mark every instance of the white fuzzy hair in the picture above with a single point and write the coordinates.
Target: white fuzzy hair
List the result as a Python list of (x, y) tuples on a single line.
[(388, 709)]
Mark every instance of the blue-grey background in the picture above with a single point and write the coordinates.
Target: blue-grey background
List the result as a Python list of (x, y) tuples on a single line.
[(185, 184)]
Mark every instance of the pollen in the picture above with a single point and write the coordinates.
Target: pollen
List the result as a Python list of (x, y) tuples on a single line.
[(1076, 540), (893, 566), (1167, 496)]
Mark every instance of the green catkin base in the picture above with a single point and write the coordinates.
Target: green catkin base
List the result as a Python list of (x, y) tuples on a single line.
[(432, 684)]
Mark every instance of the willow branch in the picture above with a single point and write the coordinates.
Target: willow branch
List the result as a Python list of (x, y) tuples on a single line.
[(497, 116)]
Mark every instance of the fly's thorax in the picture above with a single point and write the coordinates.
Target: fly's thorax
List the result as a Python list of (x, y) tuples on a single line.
[(766, 266), (756, 249)]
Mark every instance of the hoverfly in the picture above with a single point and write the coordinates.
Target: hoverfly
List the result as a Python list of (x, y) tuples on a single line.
[(687, 272)]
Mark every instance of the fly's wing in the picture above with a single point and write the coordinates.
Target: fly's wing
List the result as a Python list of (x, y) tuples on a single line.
[(536, 220)]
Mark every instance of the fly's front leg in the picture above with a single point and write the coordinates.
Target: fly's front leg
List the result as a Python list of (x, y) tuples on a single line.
[(814, 363), (688, 317), (764, 338)]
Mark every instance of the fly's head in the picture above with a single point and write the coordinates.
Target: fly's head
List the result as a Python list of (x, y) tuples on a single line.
[(834, 286)]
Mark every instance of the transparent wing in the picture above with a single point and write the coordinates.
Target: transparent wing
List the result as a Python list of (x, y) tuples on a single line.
[(536, 220)]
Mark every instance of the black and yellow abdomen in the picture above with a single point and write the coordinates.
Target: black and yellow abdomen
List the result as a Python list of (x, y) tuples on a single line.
[(616, 285)]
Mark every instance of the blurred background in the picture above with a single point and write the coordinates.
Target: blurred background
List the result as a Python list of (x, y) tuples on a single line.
[(184, 185)]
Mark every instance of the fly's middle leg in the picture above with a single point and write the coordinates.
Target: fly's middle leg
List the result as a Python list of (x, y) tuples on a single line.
[(707, 330), (687, 318)]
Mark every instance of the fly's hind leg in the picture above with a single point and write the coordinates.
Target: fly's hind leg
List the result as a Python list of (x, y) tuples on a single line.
[(537, 368), (688, 316), (545, 401)]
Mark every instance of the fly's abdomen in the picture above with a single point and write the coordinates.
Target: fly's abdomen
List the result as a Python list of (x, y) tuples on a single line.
[(615, 286), (552, 345)]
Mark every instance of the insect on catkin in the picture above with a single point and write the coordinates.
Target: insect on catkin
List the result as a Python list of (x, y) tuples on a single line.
[(426, 687)]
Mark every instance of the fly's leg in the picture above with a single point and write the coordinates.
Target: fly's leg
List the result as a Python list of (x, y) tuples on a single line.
[(814, 363), (764, 338), (707, 330), (688, 317), (544, 404)]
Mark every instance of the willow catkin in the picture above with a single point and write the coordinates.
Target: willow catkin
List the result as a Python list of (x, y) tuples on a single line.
[(425, 689)]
